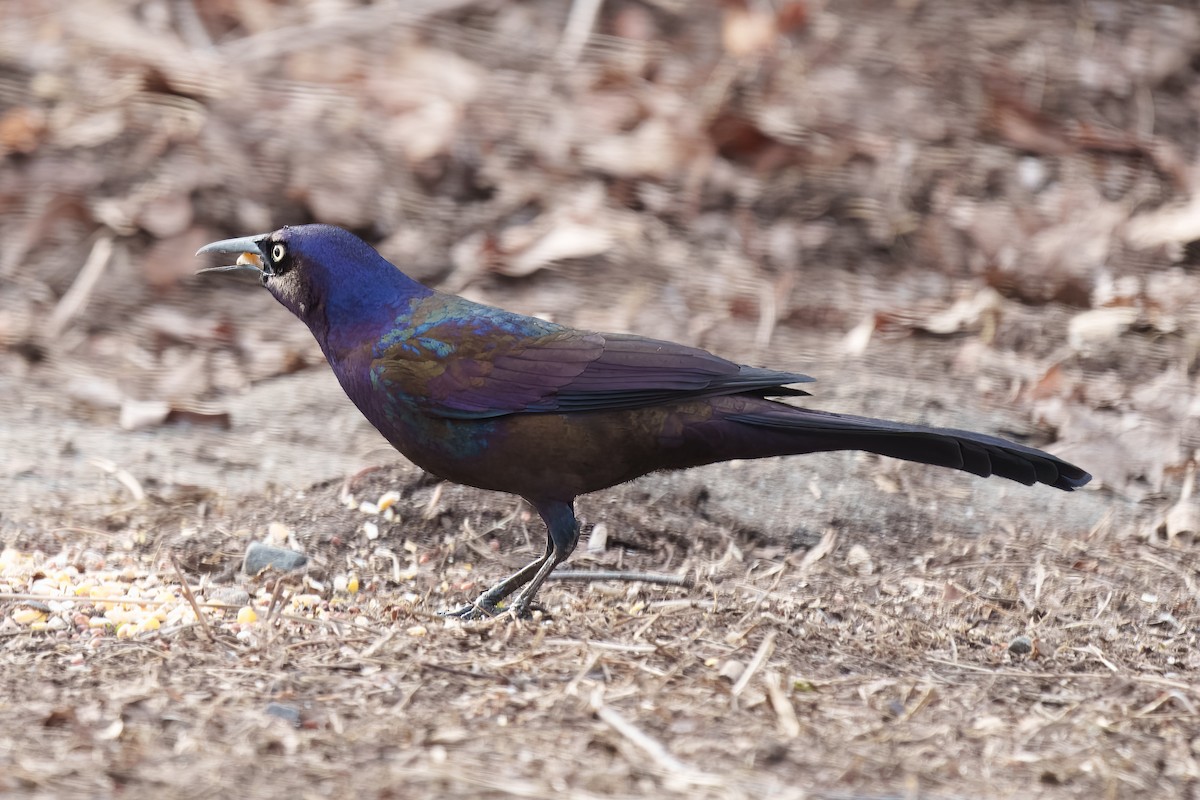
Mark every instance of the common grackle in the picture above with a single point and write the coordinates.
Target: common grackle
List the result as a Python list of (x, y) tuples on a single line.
[(498, 400)]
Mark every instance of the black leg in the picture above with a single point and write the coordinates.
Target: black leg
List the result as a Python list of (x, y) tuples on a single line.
[(562, 534)]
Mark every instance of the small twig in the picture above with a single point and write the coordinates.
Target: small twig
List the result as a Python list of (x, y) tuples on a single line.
[(682, 604), (132, 601), (462, 673), (823, 548), (1152, 680), (1162, 698), (274, 604), (124, 477), (375, 646), (655, 578), (332, 624), (616, 646), (498, 525), (572, 687), (580, 21), (651, 747), (346, 493), (763, 597), (77, 296), (191, 598), (1097, 654), (1174, 569), (765, 648), (785, 713), (431, 509)]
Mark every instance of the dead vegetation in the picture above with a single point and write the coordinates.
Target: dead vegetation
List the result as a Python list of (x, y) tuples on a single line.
[(977, 215)]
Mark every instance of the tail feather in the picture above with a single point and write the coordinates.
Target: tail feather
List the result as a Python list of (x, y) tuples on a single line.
[(968, 451)]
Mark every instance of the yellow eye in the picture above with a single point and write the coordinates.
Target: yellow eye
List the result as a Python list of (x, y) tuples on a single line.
[(278, 253)]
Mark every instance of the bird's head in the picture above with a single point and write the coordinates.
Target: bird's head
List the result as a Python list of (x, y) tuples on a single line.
[(321, 273)]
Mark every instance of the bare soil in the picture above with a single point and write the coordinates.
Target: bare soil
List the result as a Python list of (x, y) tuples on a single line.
[(978, 215)]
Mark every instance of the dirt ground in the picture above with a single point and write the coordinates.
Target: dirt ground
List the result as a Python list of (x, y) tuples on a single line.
[(977, 215)]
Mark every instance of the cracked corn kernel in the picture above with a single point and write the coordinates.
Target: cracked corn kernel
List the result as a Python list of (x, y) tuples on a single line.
[(246, 615), (27, 616)]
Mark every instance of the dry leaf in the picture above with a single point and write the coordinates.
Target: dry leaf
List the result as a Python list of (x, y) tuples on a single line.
[(1090, 329)]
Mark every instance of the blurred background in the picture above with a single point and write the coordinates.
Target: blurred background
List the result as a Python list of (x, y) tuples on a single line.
[(979, 215), (973, 216)]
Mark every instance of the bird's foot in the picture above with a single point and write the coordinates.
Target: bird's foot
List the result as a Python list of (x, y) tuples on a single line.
[(483, 608), (523, 606), (474, 611)]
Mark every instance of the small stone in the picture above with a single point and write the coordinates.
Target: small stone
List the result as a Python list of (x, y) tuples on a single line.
[(261, 556), (230, 595), (287, 713), (1022, 645)]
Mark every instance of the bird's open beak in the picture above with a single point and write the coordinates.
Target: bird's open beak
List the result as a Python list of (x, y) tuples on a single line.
[(250, 256)]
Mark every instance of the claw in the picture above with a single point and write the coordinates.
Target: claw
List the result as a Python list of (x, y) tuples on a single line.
[(473, 611), (482, 608)]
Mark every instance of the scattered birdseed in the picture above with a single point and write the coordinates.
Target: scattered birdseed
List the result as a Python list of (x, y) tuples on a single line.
[(387, 500), (26, 616), (134, 602)]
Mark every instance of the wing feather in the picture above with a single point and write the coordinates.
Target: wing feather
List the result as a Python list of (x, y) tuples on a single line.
[(499, 363)]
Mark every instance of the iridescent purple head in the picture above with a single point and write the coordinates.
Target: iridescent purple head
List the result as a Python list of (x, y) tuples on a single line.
[(324, 275)]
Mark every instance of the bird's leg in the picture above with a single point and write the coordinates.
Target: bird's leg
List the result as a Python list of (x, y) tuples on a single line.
[(485, 605), (563, 531), (562, 534)]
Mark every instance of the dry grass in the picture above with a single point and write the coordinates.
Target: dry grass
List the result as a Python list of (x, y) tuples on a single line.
[(873, 668)]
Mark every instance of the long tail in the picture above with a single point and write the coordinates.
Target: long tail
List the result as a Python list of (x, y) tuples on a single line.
[(944, 447)]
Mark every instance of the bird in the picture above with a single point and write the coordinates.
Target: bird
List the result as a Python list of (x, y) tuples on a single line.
[(490, 398)]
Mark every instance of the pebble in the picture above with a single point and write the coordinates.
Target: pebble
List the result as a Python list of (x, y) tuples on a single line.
[(231, 595), (289, 714), (1022, 645), (260, 556)]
